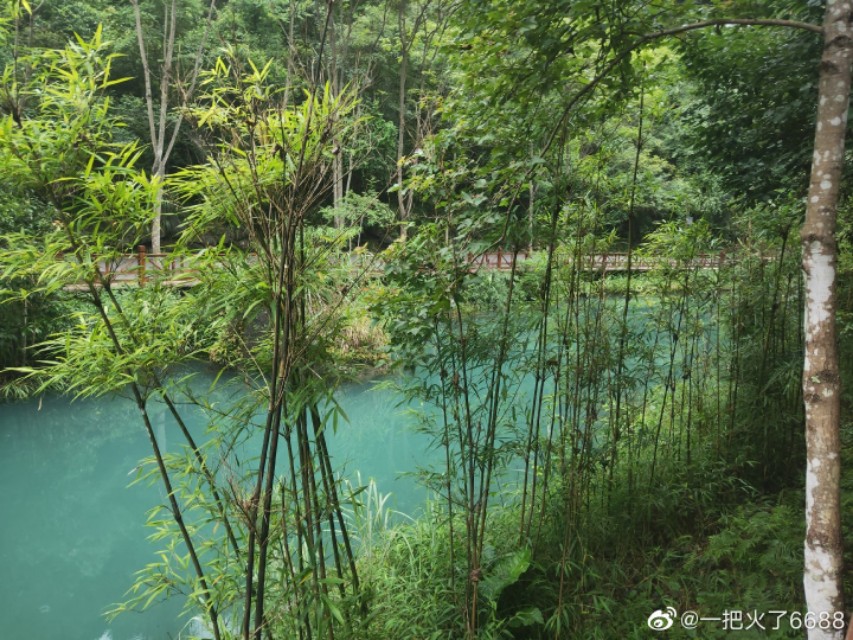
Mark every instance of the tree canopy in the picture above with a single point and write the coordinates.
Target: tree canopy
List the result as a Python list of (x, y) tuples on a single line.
[(332, 180)]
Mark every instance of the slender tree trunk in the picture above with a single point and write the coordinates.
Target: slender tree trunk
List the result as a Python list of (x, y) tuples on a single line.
[(156, 224), (530, 214), (821, 385), (157, 126), (405, 200), (401, 124), (338, 160), (162, 142)]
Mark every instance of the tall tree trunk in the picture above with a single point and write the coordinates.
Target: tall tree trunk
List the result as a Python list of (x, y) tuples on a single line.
[(157, 129), (338, 160), (162, 142), (405, 201), (401, 124), (821, 385)]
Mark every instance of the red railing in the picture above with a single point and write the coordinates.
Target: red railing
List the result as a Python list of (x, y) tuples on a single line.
[(604, 262), (139, 268)]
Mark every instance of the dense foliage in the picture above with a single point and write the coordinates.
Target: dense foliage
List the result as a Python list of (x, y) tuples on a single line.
[(613, 441)]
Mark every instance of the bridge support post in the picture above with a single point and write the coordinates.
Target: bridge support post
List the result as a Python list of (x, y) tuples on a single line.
[(141, 259)]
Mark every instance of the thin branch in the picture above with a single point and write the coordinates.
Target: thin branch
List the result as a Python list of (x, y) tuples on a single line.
[(146, 70), (170, 29), (665, 33), (749, 22), (187, 95)]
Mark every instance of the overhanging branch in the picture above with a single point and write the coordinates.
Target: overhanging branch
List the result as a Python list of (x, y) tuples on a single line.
[(665, 33), (722, 22)]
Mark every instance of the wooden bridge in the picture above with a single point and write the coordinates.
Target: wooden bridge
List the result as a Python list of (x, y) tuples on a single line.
[(604, 262), (142, 267), (137, 270)]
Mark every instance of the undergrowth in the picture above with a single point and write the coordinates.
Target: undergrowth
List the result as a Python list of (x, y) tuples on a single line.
[(702, 540)]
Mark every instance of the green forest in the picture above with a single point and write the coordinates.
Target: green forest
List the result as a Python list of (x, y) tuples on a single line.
[(599, 249)]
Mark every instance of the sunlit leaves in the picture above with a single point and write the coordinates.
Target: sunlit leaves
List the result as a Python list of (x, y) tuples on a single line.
[(272, 158), (66, 123)]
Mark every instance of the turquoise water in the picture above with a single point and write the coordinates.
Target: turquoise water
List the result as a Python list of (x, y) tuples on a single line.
[(74, 532)]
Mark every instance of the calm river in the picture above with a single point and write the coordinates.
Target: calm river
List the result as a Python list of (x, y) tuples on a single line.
[(73, 531)]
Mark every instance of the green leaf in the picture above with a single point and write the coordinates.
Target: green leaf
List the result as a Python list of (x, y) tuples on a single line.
[(506, 572), (526, 618)]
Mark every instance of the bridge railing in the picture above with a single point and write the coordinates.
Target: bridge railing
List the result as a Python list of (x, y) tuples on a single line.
[(142, 267), (619, 261), (607, 262), (500, 259)]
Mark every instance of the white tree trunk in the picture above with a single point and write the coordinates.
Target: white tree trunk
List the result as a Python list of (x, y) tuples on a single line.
[(822, 575), (157, 126), (159, 175)]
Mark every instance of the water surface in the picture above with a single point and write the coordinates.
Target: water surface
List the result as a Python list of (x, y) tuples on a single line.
[(74, 532)]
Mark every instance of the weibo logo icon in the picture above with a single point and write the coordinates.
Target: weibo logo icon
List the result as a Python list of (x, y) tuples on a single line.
[(662, 619)]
